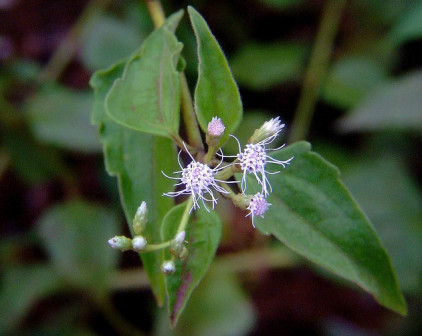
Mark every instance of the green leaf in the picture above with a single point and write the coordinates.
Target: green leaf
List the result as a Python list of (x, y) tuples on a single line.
[(393, 106), (352, 79), (33, 162), (409, 26), (23, 286), (147, 97), (108, 41), (282, 4), (261, 66), (75, 234), (203, 236), (217, 307), (137, 160), (216, 93), (391, 199), (60, 116), (314, 214)]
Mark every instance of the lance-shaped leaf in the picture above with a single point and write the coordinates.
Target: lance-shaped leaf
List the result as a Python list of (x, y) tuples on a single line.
[(216, 93), (137, 160), (203, 236), (314, 214), (147, 97)]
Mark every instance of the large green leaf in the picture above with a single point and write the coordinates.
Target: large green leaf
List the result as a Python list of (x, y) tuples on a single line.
[(409, 26), (314, 214), (23, 286), (260, 66), (203, 236), (351, 79), (390, 197), (75, 234), (137, 160), (393, 106), (60, 116), (217, 307), (107, 41), (147, 96), (216, 93)]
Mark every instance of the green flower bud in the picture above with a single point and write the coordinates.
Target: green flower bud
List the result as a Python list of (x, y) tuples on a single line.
[(269, 130), (183, 253), (168, 267), (139, 243), (121, 243), (141, 218), (177, 244)]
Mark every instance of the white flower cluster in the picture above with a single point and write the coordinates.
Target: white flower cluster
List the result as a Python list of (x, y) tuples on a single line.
[(199, 179)]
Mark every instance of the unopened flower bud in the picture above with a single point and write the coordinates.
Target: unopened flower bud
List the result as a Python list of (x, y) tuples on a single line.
[(241, 201), (141, 218), (215, 131), (177, 244), (168, 267), (139, 243), (121, 243), (269, 130), (183, 253)]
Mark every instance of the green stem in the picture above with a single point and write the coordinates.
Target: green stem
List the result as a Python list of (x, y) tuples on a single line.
[(226, 187), (185, 218), (245, 261), (156, 247), (68, 47), (156, 12), (192, 130), (228, 172), (317, 69)]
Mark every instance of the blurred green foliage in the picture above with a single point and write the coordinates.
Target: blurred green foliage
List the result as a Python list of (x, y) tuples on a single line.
[(367, 122)]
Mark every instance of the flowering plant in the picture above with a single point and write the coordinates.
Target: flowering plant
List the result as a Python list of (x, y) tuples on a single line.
[(138, 106)]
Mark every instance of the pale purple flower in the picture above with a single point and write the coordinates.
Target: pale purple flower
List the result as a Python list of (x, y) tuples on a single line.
[(198, 181), (257, 206), (216, 127), (254, 159)]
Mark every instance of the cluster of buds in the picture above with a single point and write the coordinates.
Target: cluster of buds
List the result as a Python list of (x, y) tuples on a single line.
[(139, 244)]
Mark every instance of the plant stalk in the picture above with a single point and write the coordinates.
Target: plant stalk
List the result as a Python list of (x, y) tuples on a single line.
[(68, 47), (317, 69)]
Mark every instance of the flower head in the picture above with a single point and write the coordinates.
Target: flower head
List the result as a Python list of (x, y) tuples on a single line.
[(258, 206), (199, 182), (216, 127), (254, 158), (268, 131)]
